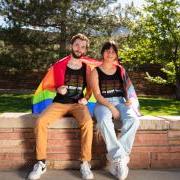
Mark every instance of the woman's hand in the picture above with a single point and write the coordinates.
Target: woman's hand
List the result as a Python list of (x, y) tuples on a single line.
[(62, 90), (83, 101), (115, 112), (128, 102)]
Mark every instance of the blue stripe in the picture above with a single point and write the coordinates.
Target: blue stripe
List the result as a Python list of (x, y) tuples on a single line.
[(91, 106), (39, 107)]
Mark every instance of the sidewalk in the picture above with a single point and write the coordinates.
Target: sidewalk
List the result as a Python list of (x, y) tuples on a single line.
[(99, 175)]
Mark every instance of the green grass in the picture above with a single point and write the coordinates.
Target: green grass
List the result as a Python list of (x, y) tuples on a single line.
[(15, 102), (159, 106), (149, 106)]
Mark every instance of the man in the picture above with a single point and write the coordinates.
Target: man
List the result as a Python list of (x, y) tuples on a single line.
[(70, 77)]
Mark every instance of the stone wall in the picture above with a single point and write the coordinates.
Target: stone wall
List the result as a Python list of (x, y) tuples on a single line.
[(30, 80), (157, 143)]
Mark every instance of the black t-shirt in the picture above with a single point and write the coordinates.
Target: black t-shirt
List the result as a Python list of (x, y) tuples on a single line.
[(110, 85), (75, 80)]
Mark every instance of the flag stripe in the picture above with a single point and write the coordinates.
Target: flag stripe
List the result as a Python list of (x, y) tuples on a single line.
[(43, 95)]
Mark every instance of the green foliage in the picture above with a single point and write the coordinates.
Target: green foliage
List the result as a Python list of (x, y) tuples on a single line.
[(142, 53), (157, 79), (169, 70), (155, 38), (38, 31), (162, 26)]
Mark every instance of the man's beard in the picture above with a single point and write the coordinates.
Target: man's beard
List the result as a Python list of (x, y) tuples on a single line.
[(76, 56)]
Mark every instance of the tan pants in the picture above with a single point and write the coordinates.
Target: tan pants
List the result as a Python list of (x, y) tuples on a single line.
[(56, 111)]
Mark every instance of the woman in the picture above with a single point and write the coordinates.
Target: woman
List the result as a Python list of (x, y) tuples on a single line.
[(113, 90)]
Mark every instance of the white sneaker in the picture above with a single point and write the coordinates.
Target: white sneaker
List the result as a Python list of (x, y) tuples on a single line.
[(86, 171), (126, 159), (118, 167), (112, 167), (38, 169), (122, 168)]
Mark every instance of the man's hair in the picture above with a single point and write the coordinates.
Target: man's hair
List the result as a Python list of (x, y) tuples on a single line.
[(81, 37), (107, 45)]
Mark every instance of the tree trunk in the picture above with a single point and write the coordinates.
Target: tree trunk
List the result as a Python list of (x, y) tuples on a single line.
[(178, 87), (63, 33), (177, 70)]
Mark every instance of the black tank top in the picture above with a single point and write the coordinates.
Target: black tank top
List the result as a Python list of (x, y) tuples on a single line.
[(110, 85), (75, 80)]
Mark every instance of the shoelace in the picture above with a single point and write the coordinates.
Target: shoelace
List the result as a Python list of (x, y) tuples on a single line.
[(38, 166), (118, 164), (86, 169)]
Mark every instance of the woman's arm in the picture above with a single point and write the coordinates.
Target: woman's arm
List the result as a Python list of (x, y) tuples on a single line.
[(88, 87), (88, 93)]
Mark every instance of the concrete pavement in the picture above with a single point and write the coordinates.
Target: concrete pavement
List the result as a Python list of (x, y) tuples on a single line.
[(99, 175)]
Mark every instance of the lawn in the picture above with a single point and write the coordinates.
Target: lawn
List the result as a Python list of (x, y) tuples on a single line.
[(15, 102), (159, 106), (149, 106)]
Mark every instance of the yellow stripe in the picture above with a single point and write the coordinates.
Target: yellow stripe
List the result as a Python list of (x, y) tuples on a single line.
[(39, 89)]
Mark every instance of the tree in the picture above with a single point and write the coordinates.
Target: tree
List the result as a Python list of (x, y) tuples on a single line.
[(38, 27), (156, 39)]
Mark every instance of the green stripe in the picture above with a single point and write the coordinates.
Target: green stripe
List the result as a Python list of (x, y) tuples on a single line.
[(46, 94), (43, 95), (92, 99)]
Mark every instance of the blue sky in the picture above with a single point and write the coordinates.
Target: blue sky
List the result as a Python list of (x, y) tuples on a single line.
[(137, 3)]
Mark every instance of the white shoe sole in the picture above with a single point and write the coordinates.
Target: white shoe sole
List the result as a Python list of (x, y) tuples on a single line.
[(123, 178), (39, 176), (88, 178)]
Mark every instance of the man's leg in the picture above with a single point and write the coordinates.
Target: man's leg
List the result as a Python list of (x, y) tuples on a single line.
[(82, 115), (51, 114)]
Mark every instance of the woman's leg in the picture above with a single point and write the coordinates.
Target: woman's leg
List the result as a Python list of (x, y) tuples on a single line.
[(105, 124), (130, 124)]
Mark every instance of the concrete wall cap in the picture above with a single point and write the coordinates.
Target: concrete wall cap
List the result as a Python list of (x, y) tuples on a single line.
[(27, 120)]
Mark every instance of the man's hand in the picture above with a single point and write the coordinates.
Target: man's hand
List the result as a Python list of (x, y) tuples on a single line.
[(83, 101), (62, 90)]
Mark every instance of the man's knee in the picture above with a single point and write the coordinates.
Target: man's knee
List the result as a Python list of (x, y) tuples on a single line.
[(41, 122), (83, 108), (89, 122)]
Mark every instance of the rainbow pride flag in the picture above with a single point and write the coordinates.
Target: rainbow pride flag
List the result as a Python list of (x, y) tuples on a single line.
[(54, 78)]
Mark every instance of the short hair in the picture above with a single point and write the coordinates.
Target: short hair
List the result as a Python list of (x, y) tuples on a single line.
[(81, 37), (107, 45)]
